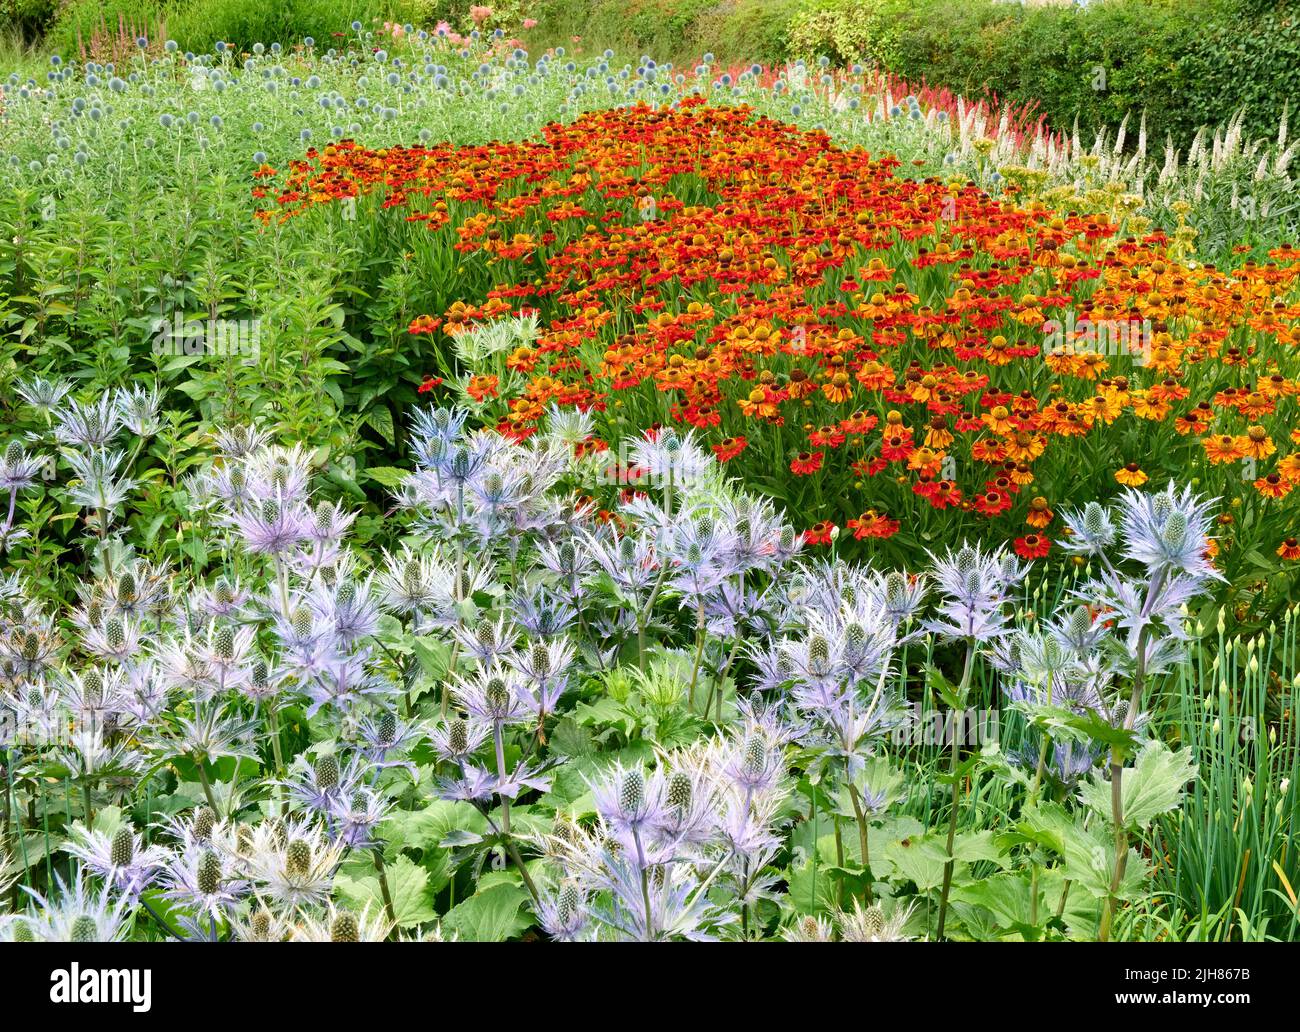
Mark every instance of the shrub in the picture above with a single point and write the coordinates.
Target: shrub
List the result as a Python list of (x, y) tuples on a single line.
[(1185, 64)]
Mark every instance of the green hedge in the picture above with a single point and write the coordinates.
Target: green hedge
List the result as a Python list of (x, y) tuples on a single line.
[(1187, 63)]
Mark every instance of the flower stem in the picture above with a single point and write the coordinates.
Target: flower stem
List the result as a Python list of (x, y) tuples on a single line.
[(956, 790)]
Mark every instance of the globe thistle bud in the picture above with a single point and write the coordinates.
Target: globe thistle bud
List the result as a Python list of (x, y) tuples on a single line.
[(126, 587), (327, 772), (122, 849), (679, 791), (13, 454), (458, 737), (819, 652), (755, 757), (412, 580), (93, 687), (631, 796), (224, 642), (259, 676), (498, 695), (209, 879), (387, 728), (346, 594), (485, 634), (302, 622), (205, 820), (324, 516), (539, 659), (345, 928), (223, 593), (115, 632), (297, 858), (259, 925), (22, 931), (569, 903), (270, 511), (84, 929)]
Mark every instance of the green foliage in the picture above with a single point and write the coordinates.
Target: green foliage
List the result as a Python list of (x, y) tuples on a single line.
[(1184, 63)]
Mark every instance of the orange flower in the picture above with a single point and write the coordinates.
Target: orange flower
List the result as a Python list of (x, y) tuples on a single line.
[(1222, 449), (1131, 475), (872, 524), (805, 463), (1040, 515), (480, 387), (1032, 546), (730, 448), (1273, 486), (820, 533), (1255, 443), (1289, 549)]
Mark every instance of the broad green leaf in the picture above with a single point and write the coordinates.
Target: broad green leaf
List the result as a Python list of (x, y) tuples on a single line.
[(1152, 786), (408, 884), (490, 915)]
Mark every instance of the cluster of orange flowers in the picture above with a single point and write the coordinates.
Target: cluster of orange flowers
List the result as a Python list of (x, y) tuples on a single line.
[(749, 278)]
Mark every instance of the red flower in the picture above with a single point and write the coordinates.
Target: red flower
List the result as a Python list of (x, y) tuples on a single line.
[(992, 502), (730, 448), (429, 384), (939, 493), (819, 533), (805, 463), (1032, 546), (872, 524)]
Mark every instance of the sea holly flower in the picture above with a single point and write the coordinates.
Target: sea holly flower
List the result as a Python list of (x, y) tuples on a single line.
[(72, 913), (204, 881), (339, 924), (121, 858), (291, 863), (88, 425)]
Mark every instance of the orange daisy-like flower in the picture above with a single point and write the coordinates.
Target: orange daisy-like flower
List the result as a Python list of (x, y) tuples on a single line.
[(820, 533), (1040, 514), (806, 463), (1273, 486), (872, 524), (1032, 546), (992, 502), (838, 388), (1289, 467), (1289, 549), (1255, 443), (998, 419), (730, 448), (939, 493), (1131, 475), (1222, 449), (480, 387)]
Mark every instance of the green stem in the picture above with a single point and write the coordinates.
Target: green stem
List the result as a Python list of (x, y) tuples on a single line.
[(956, 789)]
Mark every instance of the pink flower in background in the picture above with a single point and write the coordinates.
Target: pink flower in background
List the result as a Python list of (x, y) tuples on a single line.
[(480, 13), (530, 23)]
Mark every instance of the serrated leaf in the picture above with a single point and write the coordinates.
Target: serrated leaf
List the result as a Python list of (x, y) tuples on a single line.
[(1152, 786), (408, 884), (490, 915)]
